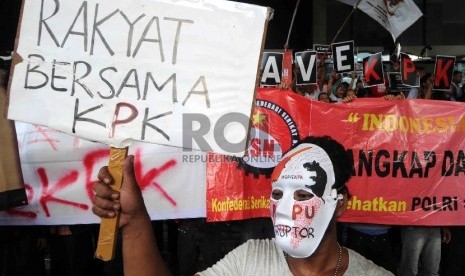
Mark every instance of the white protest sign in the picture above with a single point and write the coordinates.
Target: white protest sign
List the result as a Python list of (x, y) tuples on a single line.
[(179, 73), (343, 56), (306, 62), (59, 171), (271, 68)]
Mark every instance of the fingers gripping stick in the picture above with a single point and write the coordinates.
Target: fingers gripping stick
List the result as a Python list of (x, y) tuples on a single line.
[(109, 226)]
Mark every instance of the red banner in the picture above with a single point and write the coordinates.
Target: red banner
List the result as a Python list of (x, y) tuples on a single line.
[(240, 188), (409, 158)]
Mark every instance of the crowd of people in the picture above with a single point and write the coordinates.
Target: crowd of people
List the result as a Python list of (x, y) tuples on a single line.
[(338, 87), (406, 250), (393, 250), (191, 245)]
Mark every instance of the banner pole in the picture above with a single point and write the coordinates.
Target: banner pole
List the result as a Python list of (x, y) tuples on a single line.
[(109, 226), (286, 45), (340, 29)]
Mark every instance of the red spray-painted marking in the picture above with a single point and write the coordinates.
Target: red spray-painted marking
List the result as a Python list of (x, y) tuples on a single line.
[(145, 180), (89, 161), (46, 138), (48, 194)]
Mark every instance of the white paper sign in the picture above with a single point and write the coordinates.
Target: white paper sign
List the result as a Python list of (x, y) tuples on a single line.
[(59, 171), (179, 73)]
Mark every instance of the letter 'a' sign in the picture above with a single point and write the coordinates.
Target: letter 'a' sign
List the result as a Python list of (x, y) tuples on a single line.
[(125, 70), (373, 70), (343, 56), (443, 72), (271, 68)]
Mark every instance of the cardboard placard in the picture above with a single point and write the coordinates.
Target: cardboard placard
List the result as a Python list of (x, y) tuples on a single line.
[(123, 71), (12, 191)]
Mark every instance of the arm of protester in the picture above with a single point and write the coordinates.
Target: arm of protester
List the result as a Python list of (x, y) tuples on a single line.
[(333, 81), (353, 76), (140, 252)]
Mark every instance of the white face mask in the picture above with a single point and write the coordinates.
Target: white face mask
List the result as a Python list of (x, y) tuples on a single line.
[(302, 200)]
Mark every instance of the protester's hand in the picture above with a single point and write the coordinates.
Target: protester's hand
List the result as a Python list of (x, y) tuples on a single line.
[(284, 86), (391, 97), (446, 235), (348, 99), (41, 243), (128, 202)]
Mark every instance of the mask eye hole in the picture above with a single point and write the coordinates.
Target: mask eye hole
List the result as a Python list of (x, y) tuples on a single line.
[(302, 195), (276, 194)]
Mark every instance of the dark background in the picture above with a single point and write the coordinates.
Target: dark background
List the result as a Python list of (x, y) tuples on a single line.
[(443, 24)]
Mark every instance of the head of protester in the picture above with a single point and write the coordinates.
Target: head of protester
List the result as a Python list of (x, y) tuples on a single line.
[(305, 192), (309, 194), (341, 90), (323, 97)]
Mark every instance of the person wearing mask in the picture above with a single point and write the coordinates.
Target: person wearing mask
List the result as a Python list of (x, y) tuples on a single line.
[(303, 210)]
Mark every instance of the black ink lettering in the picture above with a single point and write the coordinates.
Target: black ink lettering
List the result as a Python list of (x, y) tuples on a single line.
[(446, 203), (146, 123), (112, 89), (460, 166), (78, 80), (172, 78), (33, 70), (55, 76), (131, 30), (426, 204), (448, 156), (385, 165), (43, 23), (399, 164), (351, 156), (202, 92), (125, 83), (311, 230), (430, 158), (303, 233), (365, 162), (416, 201), (96, 29), (416, 166), (178, 35), (84, 33), (158, 40), (78, 116), (283, 230)]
